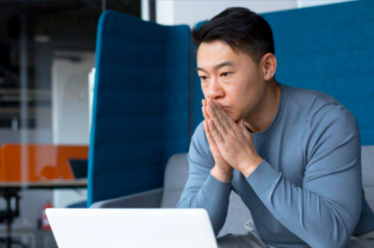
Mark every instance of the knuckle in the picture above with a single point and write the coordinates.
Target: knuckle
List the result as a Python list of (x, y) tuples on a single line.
[(221, 125), (215, 135)]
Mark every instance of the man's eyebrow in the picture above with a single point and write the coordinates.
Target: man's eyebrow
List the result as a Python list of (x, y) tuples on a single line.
[(216, 67)]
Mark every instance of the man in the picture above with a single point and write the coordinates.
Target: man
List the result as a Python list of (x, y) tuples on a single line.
[(292, 155)]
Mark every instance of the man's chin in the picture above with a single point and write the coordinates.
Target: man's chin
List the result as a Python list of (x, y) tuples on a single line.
[(235, 117)]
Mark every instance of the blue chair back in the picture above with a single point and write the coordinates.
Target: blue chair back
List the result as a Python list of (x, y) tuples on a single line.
[(141, 106), (330, 49)]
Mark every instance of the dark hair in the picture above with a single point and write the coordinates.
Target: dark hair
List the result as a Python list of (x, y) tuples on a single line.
[(242, 29)]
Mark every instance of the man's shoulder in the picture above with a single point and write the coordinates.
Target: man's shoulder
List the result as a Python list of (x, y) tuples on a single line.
[(199, 133), (313, 103), (199, 139)]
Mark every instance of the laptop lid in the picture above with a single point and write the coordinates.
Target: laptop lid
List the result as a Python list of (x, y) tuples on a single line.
[(140, 228)]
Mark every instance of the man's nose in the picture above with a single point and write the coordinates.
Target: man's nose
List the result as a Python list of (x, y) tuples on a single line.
[(214, 90)]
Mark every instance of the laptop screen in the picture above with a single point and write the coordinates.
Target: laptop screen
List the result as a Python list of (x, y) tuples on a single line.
[(79, 167)]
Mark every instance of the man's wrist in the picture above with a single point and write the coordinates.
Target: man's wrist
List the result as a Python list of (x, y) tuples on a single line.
[(223, 176), (250, 167)]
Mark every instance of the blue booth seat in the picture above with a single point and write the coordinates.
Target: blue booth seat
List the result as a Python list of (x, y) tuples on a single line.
[(330, 49), (141, 106)]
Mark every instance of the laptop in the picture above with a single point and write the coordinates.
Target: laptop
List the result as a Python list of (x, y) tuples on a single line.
[(131, 228), (79, 167)]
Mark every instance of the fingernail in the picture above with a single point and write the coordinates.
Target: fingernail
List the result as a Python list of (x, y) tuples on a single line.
[(210, 109)]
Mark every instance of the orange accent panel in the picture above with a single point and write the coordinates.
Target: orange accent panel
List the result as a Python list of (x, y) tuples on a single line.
[(31, 162)]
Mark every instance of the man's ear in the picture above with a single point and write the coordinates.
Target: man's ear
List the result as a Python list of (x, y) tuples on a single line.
[(269, 64)]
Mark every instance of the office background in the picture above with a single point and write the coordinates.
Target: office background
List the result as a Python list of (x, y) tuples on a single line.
[(47, 50)]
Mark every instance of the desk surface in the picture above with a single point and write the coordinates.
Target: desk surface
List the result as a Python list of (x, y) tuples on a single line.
[(56, 183)]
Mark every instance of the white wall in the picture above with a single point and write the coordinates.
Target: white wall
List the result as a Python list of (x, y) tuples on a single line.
[(190, 12), (145, 10), (70, 98), (203, 10), (310, 3), (165, 12)]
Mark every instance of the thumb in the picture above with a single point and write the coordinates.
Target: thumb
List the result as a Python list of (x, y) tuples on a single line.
[(244, 128)]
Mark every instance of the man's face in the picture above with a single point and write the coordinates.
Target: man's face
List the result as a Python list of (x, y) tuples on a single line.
[(231, 78)]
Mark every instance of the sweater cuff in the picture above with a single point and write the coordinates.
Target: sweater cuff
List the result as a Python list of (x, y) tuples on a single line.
[(213, 186), (262, 177)]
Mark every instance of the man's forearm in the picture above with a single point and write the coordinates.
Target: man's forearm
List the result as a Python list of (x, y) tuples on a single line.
[(212, 196), (304, 212)]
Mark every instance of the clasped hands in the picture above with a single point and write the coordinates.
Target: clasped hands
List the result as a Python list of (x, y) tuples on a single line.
[(231, 143)]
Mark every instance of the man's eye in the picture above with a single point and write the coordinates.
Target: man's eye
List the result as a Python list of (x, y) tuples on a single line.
[(225, 74), (202, 77)]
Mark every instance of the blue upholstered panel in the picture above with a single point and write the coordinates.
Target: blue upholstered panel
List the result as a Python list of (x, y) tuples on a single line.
[(326, 48), (141, 104), (330, 49)]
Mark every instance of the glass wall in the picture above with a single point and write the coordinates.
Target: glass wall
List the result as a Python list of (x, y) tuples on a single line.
[(47, 50)]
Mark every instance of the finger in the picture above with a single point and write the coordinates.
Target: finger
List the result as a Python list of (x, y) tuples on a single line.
[(244, 128), (225, 116), (218, 138), (227, 121), (215, 116), (208, 134), (205, 114), (241, 125)]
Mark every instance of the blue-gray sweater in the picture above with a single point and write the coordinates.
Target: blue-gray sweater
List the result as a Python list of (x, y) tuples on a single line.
[(308, 189)]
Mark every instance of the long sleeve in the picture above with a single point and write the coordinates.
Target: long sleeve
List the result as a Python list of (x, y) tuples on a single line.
[(326, 209), (203, 190)]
